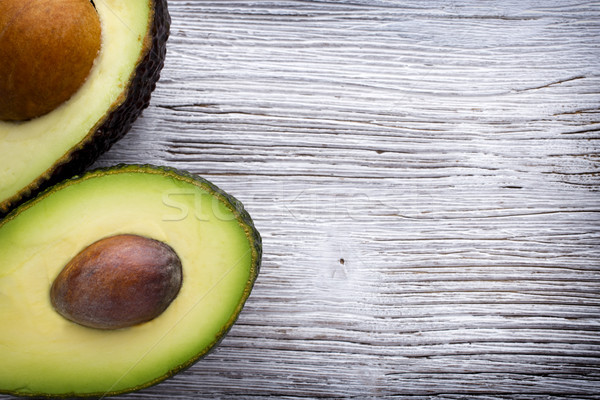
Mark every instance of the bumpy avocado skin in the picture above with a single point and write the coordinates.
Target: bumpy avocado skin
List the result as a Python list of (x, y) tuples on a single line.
[(119, 119), (243, 218)]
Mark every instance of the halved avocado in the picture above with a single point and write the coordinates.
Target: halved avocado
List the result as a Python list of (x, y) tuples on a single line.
[(46, 354), (37, 153)]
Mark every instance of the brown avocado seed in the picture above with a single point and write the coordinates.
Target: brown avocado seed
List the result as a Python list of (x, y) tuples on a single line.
[(47, 48), (117, 282)]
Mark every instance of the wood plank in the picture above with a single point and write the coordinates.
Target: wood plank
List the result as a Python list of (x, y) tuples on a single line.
[(425, 176)]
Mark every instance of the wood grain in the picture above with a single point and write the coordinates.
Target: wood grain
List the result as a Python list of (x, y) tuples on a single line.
[(426, 179)]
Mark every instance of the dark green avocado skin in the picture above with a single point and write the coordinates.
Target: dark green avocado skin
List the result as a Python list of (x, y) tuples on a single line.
[(117, 123), (232, 203)]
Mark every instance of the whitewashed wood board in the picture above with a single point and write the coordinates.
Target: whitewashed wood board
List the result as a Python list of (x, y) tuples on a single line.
[(425, 176)]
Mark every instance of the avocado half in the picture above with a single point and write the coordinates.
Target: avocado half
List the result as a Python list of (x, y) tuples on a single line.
[(44, 354), (37, 153)]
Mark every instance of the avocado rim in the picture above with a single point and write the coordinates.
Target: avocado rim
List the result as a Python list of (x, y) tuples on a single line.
[(118, 119), (234, 205)]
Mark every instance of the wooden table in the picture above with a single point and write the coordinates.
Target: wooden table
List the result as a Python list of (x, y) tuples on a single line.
[(425, 176)]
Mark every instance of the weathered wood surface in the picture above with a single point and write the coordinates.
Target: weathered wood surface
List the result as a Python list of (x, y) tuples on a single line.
[(425, 175)]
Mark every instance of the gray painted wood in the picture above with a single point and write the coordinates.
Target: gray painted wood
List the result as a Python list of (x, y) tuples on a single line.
[(425, 176)]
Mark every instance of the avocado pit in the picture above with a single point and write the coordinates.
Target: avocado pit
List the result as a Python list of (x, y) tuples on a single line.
[(118, 282), (47, 48)]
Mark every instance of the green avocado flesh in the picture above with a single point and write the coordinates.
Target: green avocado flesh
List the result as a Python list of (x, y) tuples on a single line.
[(44, 354), (32, 151)]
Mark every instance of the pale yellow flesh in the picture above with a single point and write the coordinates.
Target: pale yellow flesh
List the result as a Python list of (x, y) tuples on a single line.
[(28, 149), (42, 352)]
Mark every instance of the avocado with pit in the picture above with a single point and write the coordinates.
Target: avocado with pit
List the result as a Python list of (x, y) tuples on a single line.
[(115, 280), (75, 76)]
